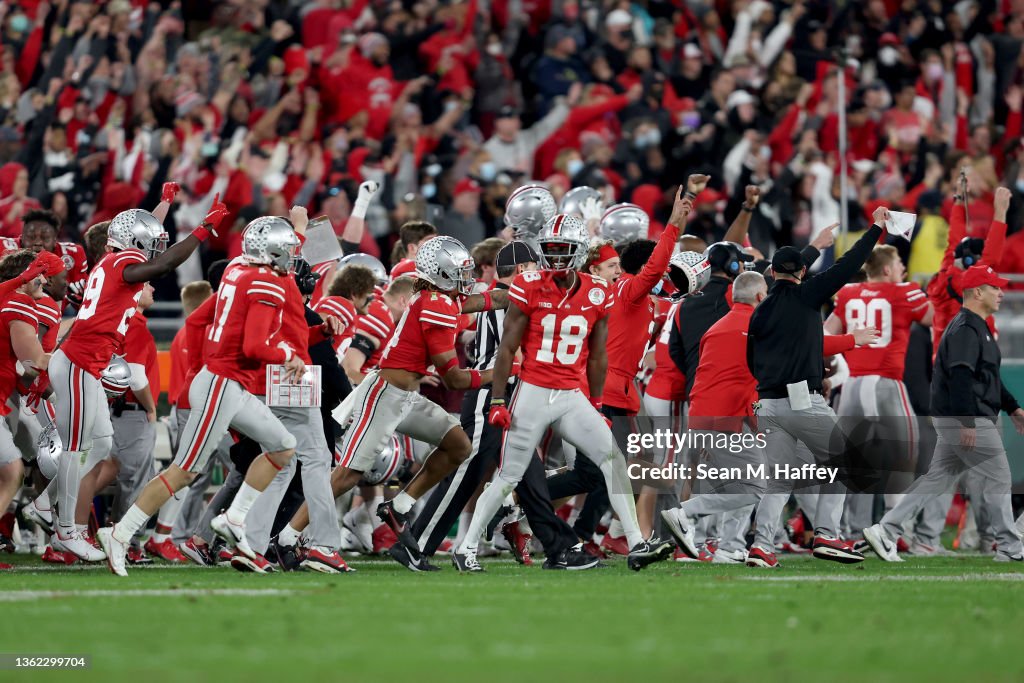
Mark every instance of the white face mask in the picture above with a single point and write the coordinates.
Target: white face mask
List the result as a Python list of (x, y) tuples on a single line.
[(494, 49), (574, 166), (888, 55)]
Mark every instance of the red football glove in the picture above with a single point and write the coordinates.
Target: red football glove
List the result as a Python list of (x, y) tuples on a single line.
[(38, 267), (169, 191), (218, 212), (35, 392), (516, 369), (499, 415)]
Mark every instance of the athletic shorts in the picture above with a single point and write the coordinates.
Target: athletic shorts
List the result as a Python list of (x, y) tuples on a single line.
[(219, 403), (80, 403), (381, 410)]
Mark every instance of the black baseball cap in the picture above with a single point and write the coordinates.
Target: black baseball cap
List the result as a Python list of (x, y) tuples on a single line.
[(514, 253), (788, 261), (508, 112)]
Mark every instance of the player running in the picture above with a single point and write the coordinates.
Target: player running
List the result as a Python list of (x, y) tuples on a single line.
[(136, 253), (558, 313), (225, 393)]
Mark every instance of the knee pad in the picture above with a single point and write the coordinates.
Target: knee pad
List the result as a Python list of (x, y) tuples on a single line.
[(289, 442)]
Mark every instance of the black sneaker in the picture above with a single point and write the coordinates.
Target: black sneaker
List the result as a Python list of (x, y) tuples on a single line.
[(414, 563), (572, 559), (402, 526), (285, 555), (466, 562), (648, 552)]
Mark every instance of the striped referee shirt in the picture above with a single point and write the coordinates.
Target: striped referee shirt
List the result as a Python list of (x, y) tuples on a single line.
[(484, 348)]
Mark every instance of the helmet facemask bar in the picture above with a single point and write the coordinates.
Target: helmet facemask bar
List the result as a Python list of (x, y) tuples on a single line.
[(559, 255)]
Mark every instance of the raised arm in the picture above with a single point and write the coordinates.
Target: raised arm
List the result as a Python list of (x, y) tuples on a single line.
[(177, 253), (996, 238), (823, 286), (738, 230)]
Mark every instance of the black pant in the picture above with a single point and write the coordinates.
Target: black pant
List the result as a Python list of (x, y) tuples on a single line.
[(450, 496), (586, 477)]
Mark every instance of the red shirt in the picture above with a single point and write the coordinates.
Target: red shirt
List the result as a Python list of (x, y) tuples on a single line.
[(342, 309), (17, 307), (48, 313), (179, 365), (560, 324), (324, 270), (196, 329), (631, 324), (72, 254), (295, 330), (248, 315), (427, 328), (376, 324), (140, 349), (723, 390), (889, 306), (108, 305), (667, 382)]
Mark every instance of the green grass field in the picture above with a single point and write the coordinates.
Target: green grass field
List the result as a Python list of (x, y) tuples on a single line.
[(926, 619)]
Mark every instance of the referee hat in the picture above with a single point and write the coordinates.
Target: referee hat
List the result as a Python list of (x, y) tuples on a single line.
[(514, 253)]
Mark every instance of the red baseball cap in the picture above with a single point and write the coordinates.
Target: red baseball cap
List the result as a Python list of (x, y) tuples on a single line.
[(976, 276), (466, 185)]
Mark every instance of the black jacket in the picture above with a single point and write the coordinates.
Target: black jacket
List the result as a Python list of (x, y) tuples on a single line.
[(694, 317), (784, 343)]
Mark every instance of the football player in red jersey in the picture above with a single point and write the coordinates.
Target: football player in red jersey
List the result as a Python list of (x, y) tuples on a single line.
[(239, 346), (556, 314), (875, 389), (39, 233), (387, 401), (18, 343), (374, 330), (137, 252)]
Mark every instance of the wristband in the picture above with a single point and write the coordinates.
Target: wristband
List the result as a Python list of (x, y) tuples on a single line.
[(488, 304), (689, 195), (497, 402), (748, 209), (360, 207), (202, 233), (474, 379), (452, 363)]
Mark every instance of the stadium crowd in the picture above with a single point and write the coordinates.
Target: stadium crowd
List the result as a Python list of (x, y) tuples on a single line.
[(418, 130)]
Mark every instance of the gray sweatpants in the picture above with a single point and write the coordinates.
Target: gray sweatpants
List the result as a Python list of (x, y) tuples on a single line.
[(134, 441), (783, 428), (986, 463), (311, 449), (875, 412)]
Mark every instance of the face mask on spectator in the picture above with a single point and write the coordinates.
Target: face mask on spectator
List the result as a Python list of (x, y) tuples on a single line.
[(1020, 185), (933, 71), (19, 23), (574, 166), (488, 171), (888, 55), (429, 190), (494, 49)]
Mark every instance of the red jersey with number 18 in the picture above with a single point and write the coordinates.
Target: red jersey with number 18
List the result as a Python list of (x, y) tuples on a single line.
[(108, 304), (889, 306), (555, 340)]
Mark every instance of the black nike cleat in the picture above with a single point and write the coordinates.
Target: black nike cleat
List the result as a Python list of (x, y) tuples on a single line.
[(649, 552), (401, 525), (572, 559), (286, 556), (466, 562), (416, 563)]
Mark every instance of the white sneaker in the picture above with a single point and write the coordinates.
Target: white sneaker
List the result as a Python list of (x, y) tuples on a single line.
[(233, 534), (879, 541), (722, 556), (1001, 556), (78, 545), (926, 550), (115, 550), (362, 530), (681, 528), (44, 518)]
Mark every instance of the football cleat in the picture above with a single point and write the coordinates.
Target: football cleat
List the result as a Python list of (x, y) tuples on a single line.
[(595, 550), (880, 542), (617, 544), (401, 525), (572, 559), (903, 547), (519, 542), (287, 556), (224, 556), (165, 550), (466, 562), (6, 532), (792, 548), (1001, 556), (445, 546), (4, 566), (116, 551), (723, 556), (681, 528), (78, 544), (43, 518), (233, 534), (648, 552), (197, 552), (383, 538), (58, 556), (413, 562), (761, 558), (325, 560), (835, 549), (927, 550), (702, 556), (256, 564), (362, 531), (137, 558)]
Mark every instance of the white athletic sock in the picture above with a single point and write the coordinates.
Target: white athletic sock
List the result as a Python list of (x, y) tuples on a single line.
[(130, 524), (615, 528), (465, 519), (620, 494), (403, 502), (288, 535), (486, 505), (244, 499), (67, 480), (167, 516), (42, 501), (369, 510)]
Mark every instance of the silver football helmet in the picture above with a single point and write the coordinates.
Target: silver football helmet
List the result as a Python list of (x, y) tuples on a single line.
[(380, 273), (564, 243), (528, 209), (270, 241), (48, 450), (444, 262), (390, 463), (116, 377), (689, 271), (624, 222), (137, 229), (574, 198)]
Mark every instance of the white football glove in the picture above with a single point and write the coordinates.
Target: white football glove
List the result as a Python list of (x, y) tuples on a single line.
[(366, 191), (591, 209)]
